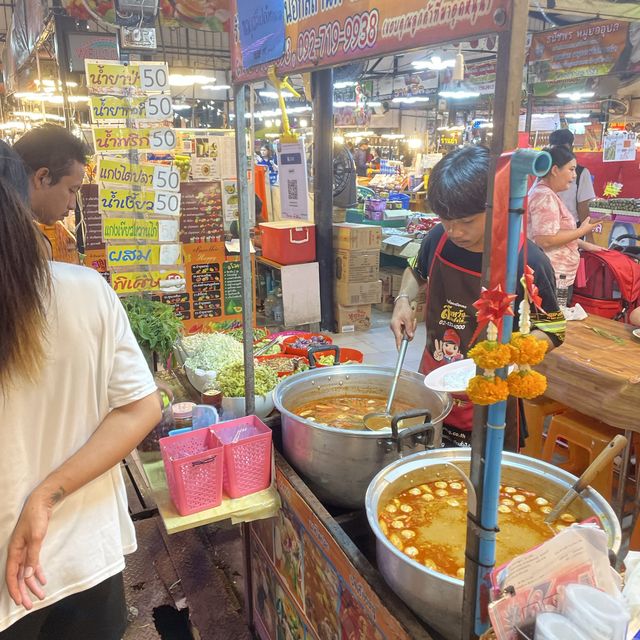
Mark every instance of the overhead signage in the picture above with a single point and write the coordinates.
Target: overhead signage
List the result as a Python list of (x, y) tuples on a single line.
[(579, 51), (322, 33), (137, 281), (261, 30), (143, 255)]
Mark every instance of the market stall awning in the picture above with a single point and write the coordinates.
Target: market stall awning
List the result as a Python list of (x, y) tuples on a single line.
[(610, 9)]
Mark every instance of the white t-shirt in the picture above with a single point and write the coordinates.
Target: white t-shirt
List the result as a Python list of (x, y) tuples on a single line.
[(94, 365), (582, 192)]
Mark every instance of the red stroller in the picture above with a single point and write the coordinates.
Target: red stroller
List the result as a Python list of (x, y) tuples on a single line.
[(612, 287)]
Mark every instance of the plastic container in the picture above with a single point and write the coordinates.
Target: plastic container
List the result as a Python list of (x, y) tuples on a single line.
[(346, 355), (597, 614), (402, 197), (289, 242), (286, 362), (553, 626), (202, 416), (287, 343), (374, 208), (194, 465), (247, 455)]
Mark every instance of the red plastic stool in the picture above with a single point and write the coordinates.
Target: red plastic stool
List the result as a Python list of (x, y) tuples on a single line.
[(537, 414), (586, 438)]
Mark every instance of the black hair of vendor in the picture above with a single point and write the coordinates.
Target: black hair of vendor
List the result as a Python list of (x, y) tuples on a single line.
[(560, 155), (458, 183)]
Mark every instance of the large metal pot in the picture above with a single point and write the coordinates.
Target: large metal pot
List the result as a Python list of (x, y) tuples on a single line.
[(435, 597), (338, 464)]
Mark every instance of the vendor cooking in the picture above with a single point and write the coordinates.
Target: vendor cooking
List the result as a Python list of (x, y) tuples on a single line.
[(449, 265)]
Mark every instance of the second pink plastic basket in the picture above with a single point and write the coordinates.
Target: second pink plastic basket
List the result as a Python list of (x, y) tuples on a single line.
[(247, 455)]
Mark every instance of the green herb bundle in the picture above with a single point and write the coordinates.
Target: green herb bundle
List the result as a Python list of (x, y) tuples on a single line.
[(154, 324)]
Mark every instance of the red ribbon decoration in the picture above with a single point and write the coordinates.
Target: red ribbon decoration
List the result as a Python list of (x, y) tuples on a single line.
[(532, 289), (493, 305)]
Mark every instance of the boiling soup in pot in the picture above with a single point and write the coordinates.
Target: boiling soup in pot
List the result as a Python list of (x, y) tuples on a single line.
[(346, 412), (428, 523)]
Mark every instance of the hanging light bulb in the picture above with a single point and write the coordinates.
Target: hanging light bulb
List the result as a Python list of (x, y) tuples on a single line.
[(458, 69)]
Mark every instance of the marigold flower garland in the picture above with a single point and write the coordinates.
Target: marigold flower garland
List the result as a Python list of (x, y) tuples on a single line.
[(523, 351)]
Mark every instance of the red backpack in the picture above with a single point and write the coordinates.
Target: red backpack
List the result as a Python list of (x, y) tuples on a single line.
[(612, 288)]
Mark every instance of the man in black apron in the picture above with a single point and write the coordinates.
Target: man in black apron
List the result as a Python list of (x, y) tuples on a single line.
[(449, 265)]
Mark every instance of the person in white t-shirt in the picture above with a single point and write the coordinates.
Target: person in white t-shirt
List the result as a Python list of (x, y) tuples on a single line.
[(580, 192), (75, 397)]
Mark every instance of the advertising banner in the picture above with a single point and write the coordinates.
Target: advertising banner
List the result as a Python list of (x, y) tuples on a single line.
[(581, 51), (321, 33)]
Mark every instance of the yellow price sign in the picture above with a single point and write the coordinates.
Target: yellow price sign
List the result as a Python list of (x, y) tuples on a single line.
[(130, 229), (136, 281), (122, 172)]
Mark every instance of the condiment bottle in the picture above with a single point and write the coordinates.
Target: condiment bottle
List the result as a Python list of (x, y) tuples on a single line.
[(183, 414)]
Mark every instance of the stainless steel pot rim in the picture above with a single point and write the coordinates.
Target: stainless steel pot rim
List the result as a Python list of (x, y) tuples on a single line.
[(346, 370), (398, 469)]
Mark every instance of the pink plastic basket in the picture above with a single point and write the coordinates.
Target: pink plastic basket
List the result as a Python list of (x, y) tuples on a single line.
[(194, 466), (247, 455)]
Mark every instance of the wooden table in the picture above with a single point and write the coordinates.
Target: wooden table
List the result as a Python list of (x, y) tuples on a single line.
[(597, 372)]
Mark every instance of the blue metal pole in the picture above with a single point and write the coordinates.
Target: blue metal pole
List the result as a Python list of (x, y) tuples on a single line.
[(524, 162)]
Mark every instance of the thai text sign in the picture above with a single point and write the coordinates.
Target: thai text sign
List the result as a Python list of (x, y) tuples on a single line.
[(119, 79), (580, 51), (122, 140), (136, 281), (331, 32), (156, 107), (127, 229), (143, 254), (151, 176), (138, 202)]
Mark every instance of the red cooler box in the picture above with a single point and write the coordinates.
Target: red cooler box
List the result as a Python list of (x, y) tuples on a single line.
[(289, 241)]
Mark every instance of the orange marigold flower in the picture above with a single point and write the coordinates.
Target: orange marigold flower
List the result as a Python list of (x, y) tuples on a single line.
[(527, 349), (483, 390), (526, 384), (489, 354)]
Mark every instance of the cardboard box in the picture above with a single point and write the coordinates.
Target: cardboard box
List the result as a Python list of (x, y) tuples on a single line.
[(352, 318), (356, 237), (387, 304), (357, 266), (355, 293), (388, 275)]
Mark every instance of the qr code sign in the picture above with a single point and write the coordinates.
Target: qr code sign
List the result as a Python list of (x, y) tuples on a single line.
[(292, 189)]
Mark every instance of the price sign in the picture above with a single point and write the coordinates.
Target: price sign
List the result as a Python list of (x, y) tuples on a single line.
[(162, 139), (154, 77), (158, 108), (167, 203), (166, 178)]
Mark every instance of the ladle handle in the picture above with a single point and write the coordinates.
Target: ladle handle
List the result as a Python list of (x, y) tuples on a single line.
[(604, 458), (394, 384)]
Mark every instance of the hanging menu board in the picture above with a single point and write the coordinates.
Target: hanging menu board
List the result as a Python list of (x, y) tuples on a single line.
[(137, 202)]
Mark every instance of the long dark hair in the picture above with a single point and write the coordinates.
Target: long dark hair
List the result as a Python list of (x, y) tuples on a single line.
[(25, 278)]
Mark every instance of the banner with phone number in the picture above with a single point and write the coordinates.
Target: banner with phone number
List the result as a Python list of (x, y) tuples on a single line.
[(322, 33)]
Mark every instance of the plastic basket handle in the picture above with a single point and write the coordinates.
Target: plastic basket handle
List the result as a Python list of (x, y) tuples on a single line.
[(312, 351), (306, 238)]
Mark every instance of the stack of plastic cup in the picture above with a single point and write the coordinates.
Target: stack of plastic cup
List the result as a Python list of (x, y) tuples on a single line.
[(553, 626), (597, 614)]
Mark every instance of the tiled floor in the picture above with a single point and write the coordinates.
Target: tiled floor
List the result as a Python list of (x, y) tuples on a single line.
[(378, 344)]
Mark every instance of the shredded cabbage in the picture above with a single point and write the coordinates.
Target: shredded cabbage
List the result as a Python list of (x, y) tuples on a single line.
[(211, 351)]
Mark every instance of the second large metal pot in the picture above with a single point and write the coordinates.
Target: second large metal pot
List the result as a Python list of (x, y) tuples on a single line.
[(435, 597), (338, 464)]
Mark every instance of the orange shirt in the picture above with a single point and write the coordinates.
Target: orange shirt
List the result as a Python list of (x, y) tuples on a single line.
[(63, 243)]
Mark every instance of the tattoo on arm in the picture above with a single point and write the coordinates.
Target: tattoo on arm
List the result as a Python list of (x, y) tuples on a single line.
[(57, 496)]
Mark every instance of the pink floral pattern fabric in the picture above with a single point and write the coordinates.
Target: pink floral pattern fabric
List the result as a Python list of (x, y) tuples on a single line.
[(548, 215)]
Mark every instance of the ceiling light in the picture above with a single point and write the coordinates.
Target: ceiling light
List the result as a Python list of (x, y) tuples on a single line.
[(436, 63), (268, 123), (304, 123), (459, 93), (576, 116), (180, 107), (38, 116), (340, 103), (344, 84), (214, 87), (274, 94), (186, 80), (13, 125), (575, 96), (410, 99), (338, 139), (358, 134), (415, 143), (392, 136)]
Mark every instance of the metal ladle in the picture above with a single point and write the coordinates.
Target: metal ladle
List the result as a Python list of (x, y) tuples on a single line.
[(378, 421)]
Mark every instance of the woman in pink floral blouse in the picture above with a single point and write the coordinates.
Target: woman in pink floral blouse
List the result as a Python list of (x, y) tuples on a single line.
[(551, 225)]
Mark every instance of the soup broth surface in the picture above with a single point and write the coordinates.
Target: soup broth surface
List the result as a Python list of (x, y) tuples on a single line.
[(428, 523), (346, 412)]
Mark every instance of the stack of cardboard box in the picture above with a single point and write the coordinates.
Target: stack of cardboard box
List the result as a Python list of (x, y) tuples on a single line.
[(357, 285), (391, 277)]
